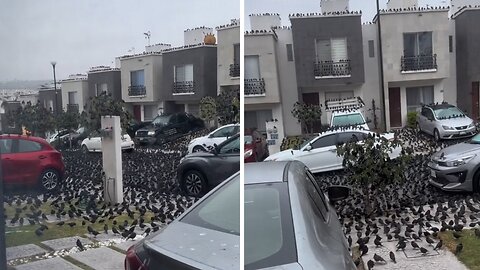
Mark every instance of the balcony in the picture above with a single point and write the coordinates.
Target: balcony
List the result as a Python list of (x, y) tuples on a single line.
[(254, 87), (235, 70), (419, 63), (183, 88), (331, 69), (137, 91), (73, 108)]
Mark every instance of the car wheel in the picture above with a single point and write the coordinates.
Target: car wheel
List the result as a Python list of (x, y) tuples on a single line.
[(436, 135), (476, 181), (85, 149), (49, 180), (198, 148), (194, 183)]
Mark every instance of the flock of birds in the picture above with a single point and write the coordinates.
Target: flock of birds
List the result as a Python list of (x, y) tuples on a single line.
[(152, 197), (410, 214)]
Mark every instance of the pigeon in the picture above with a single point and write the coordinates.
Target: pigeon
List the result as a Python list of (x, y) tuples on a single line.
[(438, 245), (80, 245), (370, 264), (458, 248), (392, 257), (378, 258), (423, 250)]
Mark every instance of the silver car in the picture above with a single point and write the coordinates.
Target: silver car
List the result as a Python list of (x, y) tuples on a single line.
[(457, 167), (445, 121), (289, 222), (206, 236)]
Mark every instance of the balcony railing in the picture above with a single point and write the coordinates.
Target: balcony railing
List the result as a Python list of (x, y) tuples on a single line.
[(73, 108), (332, 69), (235, 70), (254, 87), (137, 91), (419, 62), (183, 88)]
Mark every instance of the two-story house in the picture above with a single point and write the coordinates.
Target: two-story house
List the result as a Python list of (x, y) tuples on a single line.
[(105, 79), (417, 44), (50, 96), (228, 56), (75, 92)]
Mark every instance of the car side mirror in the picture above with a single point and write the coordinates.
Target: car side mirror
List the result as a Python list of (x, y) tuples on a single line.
[(308, 147), (338, 193)]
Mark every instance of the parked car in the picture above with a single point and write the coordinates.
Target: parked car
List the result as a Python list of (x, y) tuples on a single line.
[(457, 167), (58, 136), (445, 121), (216, 137), (320, 152), (30, 161), (289, 222), (135, 125), (255, 146), (78, 136), (206, 236), (94, 143), (200, 171), (348, 118), (164, 127)]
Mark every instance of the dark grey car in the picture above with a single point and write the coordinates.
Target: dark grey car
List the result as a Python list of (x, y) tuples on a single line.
[(200, 171), (206, 236), (289, 223)]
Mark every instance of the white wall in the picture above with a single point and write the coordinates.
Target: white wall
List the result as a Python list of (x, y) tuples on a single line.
[(401, 4), (227, 37), (152, 66), (264, 21), (81, 89), (195, 36), (334, 5)]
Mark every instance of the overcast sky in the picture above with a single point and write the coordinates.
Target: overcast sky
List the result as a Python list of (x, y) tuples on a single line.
[(78, 34), (285, 7)]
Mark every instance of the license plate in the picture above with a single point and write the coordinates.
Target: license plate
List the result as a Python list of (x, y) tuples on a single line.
[(463, 132), (432, 174)]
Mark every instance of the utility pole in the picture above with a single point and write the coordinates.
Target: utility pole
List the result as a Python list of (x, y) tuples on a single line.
[(380, 55), (55, 86)]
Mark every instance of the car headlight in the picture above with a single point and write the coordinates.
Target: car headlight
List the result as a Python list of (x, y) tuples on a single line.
[(471, 125), (448, 128), (151, 132), (459, 161), (248, 153)]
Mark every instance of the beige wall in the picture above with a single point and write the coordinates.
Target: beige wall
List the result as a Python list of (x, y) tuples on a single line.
[(227, 37), (152, 66), (79, 86)]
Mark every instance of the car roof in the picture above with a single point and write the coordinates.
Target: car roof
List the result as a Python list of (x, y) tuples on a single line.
[(255, 172), (342, 130), (346, 112), (25, 137)]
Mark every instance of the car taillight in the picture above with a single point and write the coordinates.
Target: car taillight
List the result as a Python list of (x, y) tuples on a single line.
[(132, 261)]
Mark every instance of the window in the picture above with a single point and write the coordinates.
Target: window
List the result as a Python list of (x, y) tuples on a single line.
[(417, 44), (101, 88), (334, 50), (184, 73), (416, 96), (252, 68), (289, 52), (347, 137), (236, 54), (371, 48), (316, 195), (225, 132), (137, 78), (231, 147), (149, 112), (6, 146), (220, 211), (257, 119), (28, 146), (325, 141), (348, 120), (72, 98), (450, 43)]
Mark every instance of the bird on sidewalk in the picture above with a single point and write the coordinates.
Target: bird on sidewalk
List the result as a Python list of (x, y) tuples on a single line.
[(379, 259), (392, 257), (80, 245), (438, 245), (370, 264)]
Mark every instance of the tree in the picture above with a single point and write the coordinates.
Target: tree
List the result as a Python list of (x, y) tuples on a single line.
[(103, 105), (35, 118), (208, 109), (228, 106), (370, 168), (307, 115), (67, 120)]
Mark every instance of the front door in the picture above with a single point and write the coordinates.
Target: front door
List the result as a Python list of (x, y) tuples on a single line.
[(395, 107), (475, 97), (137, 112), (313, 99)]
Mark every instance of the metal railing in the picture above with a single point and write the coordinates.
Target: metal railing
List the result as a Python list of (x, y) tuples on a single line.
[(254, 87), (332, 69), (137, 90), (185, 87), (419, 62), (234, 70)]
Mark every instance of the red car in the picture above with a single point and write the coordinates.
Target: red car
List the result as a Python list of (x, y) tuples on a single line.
[(31, 161), (256, 147)]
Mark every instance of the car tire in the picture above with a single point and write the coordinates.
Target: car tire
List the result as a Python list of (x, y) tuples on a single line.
[(85, 149), (476, 182), (49, 180), (194, 183), (198, 148), (436, 135)]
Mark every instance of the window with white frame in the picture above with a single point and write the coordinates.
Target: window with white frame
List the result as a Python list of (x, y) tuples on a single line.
[(419, 43), (183, 73), (252, 67), (416, 96), (137, 78)]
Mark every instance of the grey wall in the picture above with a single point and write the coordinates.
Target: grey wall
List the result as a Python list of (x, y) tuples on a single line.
[(111, 78), (305, 30), (204, 60), (44, 96), (468, 54)]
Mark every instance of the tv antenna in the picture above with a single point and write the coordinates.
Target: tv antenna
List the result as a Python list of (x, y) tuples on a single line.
[(147, 36)]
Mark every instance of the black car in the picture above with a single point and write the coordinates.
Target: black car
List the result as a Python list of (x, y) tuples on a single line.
[(200, 171), (135, 125), (166, 127)]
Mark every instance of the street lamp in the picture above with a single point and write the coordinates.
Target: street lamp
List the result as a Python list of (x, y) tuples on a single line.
[(55, 85)]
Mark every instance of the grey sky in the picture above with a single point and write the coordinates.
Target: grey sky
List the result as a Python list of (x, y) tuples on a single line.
[(285, 7), (78, 34)]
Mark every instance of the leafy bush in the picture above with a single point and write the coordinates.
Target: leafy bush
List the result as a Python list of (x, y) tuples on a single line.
[(412, 119), (307, 115)]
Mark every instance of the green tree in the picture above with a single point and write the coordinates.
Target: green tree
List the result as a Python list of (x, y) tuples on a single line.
[(35, 118), (103, 105), (228, 106), (208, 109), (307, 115), (370, 168), (67, 120)]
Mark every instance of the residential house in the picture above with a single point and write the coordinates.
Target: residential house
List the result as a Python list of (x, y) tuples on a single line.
[(105, 79), (75, 92), (50, 96), (228, 56)]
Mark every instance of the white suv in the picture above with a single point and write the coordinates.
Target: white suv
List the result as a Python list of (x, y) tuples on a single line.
[(217, 136)]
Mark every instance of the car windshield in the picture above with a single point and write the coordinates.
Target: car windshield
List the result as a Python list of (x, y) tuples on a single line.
[(449, 112), (248, 139), (162, 120), (307, 141), (269, 234), (475, 139), (220, 211), (348, 120)]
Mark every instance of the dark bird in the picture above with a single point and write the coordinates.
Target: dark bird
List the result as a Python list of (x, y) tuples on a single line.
[(423, 250), (80, 245), (429, 240), (459, 248), (114, 230), (105, 228), (414, 245), (401, 245), (438, 245), (377, 242), (39, 232), (456, 235), (378, 258), (392, 257), (61, 223), (364, 250), (370, 264), (131, 236)]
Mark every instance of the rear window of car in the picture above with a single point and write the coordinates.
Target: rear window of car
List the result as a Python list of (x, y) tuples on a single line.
[(220, 211), (269, 232), (6, 146), (247, 139), (348, 120), (28, 146)]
